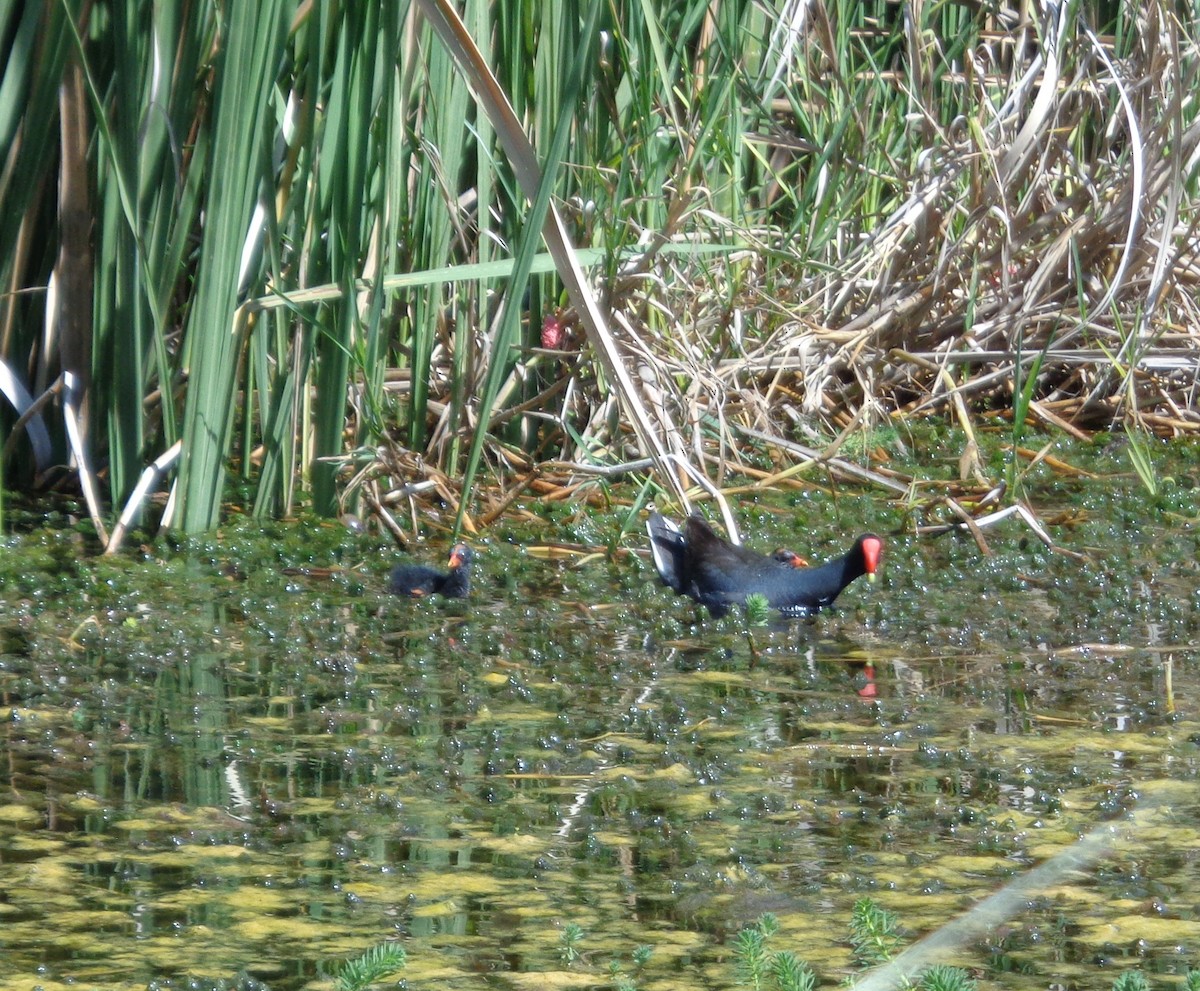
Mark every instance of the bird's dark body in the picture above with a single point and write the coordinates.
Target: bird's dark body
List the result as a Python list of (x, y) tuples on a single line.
[(417, 580), (697, 563)]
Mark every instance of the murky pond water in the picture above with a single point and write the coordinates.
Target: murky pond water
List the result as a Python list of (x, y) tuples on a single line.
[(219, 772)]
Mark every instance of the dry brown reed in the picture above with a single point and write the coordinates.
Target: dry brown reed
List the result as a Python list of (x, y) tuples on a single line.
[(1007, 247)]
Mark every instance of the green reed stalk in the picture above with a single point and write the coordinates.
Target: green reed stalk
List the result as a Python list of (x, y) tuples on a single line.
[(350, 205), (150, 202), (500, 360), (245, 76)]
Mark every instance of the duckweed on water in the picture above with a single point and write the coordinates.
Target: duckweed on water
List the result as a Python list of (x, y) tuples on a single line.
[(223, 762)]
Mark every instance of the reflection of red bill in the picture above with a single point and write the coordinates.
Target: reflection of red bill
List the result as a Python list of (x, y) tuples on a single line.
[(868, 691)]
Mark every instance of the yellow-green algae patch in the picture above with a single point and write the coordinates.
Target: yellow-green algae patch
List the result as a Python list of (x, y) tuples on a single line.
[(24, 716), (202, 854), (430, 971), (1124, 930), (40, 983), (515, 715), (434, 909), (462, 883), (312, 806), (952, 866), (726, 678), (46, 874), (166, 817), (280, 724), (81, 804), (514, 845), (32, 843), (19, 815), (523, 903), (556, 980), (296, 928)]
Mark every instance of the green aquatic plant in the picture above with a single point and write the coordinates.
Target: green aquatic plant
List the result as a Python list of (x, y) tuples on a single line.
[(759, 967), (791, 973), (377, 963), (569, 941), (622, 981), (1131, 980), (1136, 980), (758, 609), (750, 953), (942, 978), (1139, 457), (873, 933), (618, 978), (859, 444), (1024, 384)]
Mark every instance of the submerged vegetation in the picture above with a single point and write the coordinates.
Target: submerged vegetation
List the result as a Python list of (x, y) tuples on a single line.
[(286, 242), (374, 965), (236, 753)]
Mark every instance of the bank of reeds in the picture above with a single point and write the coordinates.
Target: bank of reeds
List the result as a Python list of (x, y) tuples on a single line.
[(288, 242)]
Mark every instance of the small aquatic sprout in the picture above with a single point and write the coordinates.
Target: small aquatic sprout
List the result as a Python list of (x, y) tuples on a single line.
[(791, 973), (768, 924), (750, 952), (618, 978), (756, 962), (374, 965), (568, 943), (1191, 981), (942, 978), (1135, 980), (1143, 464), (622, 981), (758, 609), (873, 933)]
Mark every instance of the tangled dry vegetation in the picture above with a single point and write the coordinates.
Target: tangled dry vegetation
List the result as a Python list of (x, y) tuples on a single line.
[(1035, 258), (1010, 261)]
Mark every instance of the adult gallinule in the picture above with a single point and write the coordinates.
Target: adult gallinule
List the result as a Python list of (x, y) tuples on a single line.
[(698, 563), (418, 580)]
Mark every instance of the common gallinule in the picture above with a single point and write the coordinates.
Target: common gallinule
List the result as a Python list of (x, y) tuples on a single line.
[(418, 580), (696, 562)]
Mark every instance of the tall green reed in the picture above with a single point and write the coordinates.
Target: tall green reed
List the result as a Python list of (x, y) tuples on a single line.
[(238, 163)]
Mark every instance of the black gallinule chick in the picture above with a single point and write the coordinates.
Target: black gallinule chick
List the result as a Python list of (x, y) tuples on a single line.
[(784, 556), (418, 580), (697, 563)]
